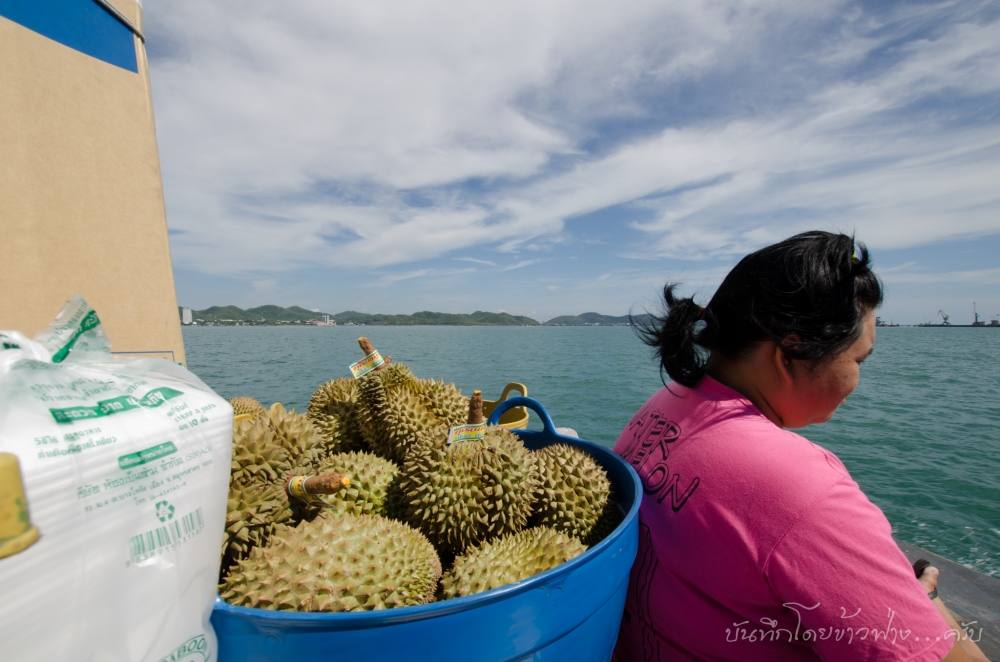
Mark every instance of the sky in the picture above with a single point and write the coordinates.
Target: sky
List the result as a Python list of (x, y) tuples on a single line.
[(549, 158)]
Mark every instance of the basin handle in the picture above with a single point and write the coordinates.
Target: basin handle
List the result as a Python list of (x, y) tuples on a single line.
[(530, 403), (513, 386)]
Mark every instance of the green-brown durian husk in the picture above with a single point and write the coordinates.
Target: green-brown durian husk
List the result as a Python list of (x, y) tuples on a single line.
[(372, 484), (397, 409), (258, 456), (609, 520), (470, 491), (252, 512), (444, 400), (244, 405), (296, 434), (396, 418), (337, 562), (573, 491), (333, 410), (396, 376), (512, 558)]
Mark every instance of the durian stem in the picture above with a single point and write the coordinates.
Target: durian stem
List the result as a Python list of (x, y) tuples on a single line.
[(367, 347), (476, 408), (304, 487)]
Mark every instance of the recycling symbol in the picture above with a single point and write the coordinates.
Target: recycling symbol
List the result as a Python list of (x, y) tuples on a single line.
[(164, 510)]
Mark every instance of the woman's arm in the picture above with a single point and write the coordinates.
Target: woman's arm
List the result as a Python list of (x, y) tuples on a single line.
[(964, 650), (853, 586)]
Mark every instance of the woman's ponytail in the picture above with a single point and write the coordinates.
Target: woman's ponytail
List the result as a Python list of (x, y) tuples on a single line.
[(678, 337)]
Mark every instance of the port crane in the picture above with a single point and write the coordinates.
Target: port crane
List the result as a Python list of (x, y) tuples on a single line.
[(944, 317), (975, 316)]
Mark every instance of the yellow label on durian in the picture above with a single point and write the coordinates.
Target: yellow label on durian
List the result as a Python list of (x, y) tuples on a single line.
[(467, 432), (297, 487), (361, 368)]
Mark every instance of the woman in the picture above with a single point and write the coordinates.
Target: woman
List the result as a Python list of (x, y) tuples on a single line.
[(755, 543)]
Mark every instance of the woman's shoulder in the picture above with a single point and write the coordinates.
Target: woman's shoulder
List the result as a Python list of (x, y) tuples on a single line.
[(722, 421), (736, 452), (777, 464), (700, 406), (772, 479)]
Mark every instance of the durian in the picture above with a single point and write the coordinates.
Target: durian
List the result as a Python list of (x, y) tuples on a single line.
[(573, 490), (371, 488), (333, 410), (398, 420), (252, 511), (445, 401), (257, 455), (397, 376), (509, 559), (337, 562), (609, 520), (244, 405), (295, 433), (398, 410), (470, 491), (304, 489)]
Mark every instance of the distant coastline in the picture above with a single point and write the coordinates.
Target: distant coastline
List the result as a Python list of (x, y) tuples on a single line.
[(298, 316)]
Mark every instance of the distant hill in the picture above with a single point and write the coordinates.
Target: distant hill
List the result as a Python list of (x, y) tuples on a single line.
[(594, 319), (271, 314), (258, 315), (478, 318), (218, 313)]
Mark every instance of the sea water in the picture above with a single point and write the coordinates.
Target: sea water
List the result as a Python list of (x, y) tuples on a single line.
[(921, 434)]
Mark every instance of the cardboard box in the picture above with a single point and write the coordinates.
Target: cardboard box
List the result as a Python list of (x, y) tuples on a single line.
[(81, 197)]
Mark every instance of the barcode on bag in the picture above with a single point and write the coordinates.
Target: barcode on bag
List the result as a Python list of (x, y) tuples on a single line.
[(168, 536)]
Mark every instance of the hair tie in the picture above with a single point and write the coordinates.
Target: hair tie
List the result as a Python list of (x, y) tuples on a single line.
[(699, 324)]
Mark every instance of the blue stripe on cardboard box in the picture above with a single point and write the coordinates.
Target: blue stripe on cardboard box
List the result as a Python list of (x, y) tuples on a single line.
[(83, 25)]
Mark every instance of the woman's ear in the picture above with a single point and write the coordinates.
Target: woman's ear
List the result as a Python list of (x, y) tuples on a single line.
[(782, 365)]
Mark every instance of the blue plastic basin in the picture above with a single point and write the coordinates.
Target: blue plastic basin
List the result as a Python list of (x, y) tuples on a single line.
[(571, 612)]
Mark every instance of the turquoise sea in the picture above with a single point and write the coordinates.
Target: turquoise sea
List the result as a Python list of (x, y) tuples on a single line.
[(921, 434)]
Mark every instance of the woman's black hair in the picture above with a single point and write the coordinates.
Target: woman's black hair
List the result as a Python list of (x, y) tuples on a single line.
[(808, 293)]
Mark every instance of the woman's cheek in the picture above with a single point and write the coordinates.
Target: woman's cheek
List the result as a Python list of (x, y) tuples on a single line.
[(855, 378)]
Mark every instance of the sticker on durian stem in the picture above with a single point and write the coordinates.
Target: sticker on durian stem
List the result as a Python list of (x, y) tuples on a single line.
[(361, 368), (296, 487), (467, 432)]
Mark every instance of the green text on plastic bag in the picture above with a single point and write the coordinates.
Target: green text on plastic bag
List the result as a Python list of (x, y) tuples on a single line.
[(153, 398), (147, 455)]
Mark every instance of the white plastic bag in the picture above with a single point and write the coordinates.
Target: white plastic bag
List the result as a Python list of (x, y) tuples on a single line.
[(126, 470)]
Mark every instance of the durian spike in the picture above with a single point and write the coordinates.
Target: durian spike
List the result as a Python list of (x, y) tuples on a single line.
[(305, 487), (367, 347), (476, 408)]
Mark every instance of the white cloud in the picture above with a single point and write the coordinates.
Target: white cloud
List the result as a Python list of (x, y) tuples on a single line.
[(264, 285), (834, 159), (905, 266), (979, 277), (421, 274), (476, 260), (520, 264), (389, 279), (294, 135)]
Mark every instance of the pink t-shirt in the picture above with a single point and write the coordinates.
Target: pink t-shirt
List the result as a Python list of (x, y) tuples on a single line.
[(756, 544)]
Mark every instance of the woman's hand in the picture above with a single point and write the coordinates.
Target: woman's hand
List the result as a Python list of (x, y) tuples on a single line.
[(965, 650), (929, 578)]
